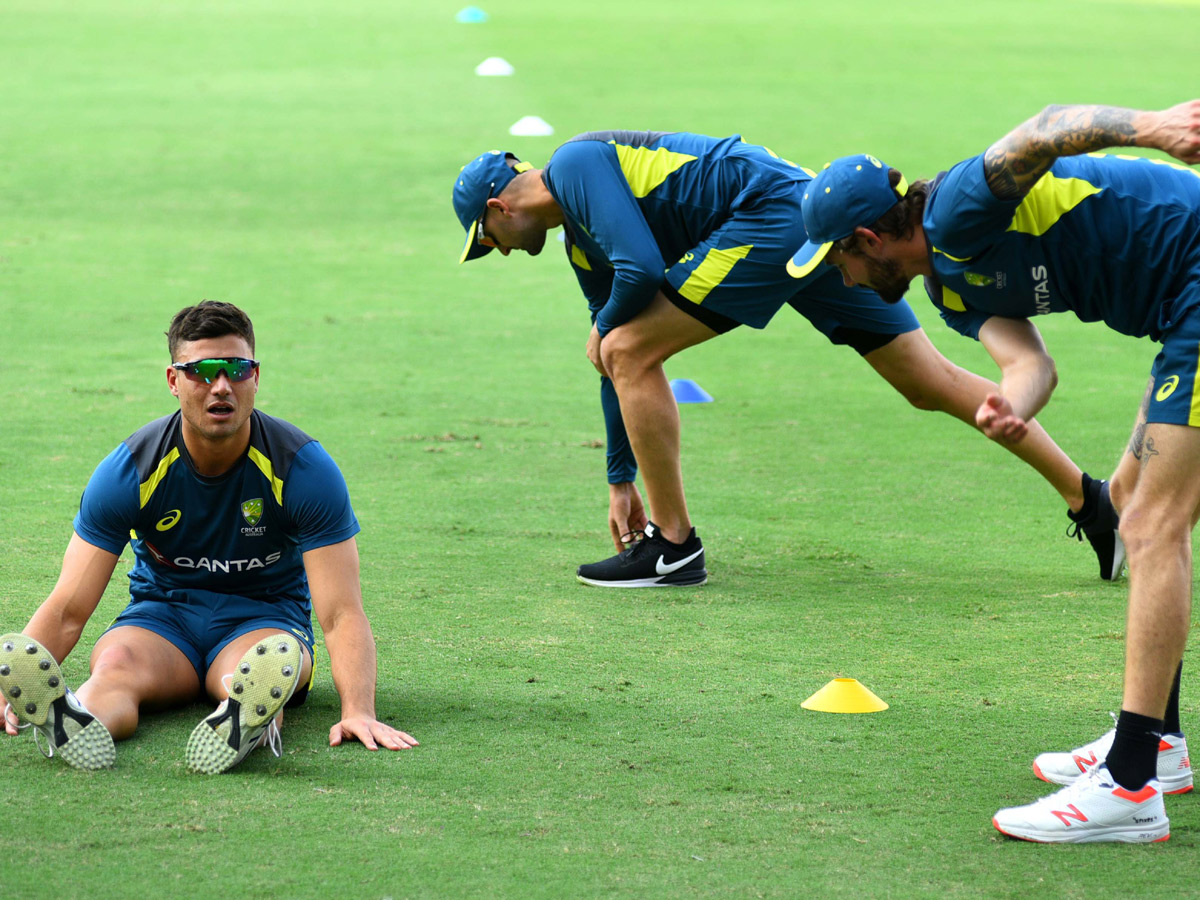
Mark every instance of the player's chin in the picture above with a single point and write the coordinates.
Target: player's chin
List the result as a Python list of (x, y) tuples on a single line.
[(892, 293)]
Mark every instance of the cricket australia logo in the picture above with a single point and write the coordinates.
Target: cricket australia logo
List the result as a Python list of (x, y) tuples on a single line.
[(976, 280), (252, 511)]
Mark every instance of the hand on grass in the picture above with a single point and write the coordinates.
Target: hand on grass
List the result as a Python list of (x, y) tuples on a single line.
[(996, 419), (371, 733)]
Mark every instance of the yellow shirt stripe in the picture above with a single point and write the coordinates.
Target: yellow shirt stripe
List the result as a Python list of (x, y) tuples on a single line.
[(264, 466), (580, 258), (712, 271), (951, 300), (646, 169), (1048, 201), (146, 488), (948, 256)]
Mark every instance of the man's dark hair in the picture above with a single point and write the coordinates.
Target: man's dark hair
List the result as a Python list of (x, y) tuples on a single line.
[(208, 319), (901, 220)]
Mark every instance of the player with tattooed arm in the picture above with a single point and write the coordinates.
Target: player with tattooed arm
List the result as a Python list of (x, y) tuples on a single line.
[(1043, 223)]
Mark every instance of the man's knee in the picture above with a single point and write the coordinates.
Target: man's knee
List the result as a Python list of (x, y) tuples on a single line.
[(626, 355), (112, 662), (1146, 525)]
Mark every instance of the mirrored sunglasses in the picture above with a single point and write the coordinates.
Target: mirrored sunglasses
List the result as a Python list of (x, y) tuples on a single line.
[(235, 368)]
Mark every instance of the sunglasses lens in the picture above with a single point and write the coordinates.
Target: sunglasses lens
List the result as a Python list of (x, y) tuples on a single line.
[(210, 369)]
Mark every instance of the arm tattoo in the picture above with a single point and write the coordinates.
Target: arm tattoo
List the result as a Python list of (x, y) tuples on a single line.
[(1148, 451), (1013, 164), (1137, 441)]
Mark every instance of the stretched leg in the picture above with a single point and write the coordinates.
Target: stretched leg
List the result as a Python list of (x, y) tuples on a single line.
[(633, 355), (131, 668), (1124, 478), (253, 677), (914, 367), (1156, 526)]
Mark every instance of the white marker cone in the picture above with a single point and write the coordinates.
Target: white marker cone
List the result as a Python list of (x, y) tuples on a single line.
[(494, 65), (531, 126)]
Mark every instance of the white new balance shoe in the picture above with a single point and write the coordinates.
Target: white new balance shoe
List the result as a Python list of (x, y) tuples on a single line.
[(262, 682), (1094, 808), (40, 699), (1174, 767)]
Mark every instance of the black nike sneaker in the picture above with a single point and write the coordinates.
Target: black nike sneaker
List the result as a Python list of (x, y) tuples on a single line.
[(1097, 521), (650, 561)]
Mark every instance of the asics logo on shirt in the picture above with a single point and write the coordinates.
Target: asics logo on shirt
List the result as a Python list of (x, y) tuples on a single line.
[(1168, 388), (663, 568), (167, 522)]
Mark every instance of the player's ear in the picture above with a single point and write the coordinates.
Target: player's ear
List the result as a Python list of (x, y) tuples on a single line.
[(868, 238), (172, 376)]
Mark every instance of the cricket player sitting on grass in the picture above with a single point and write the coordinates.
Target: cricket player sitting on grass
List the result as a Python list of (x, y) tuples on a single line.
[(241, 526), (1040, 223), (674, 239)]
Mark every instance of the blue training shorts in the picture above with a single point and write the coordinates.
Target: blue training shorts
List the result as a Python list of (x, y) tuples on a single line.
[(738, 275), (1176, 396), (202, 629)]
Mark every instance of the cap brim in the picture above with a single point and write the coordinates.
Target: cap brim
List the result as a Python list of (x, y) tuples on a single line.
[(472, 249), (807, 258)]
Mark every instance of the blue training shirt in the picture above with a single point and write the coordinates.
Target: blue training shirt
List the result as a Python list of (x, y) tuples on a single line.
[(637, 204), (1109, 238), (635, 199), (242, 533)]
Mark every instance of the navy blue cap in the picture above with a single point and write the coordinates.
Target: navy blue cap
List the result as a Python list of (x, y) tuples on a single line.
[(850, 192), (481, 179)]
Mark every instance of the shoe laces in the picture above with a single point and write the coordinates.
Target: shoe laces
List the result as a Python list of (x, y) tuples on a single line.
[(48, 750), (1088, 781), (634, 541), (273, 739)]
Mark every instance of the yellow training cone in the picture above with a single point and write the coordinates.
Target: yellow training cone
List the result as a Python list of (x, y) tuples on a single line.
[(844, 695)]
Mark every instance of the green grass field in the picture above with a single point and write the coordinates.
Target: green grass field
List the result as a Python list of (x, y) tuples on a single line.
[(296, 159)]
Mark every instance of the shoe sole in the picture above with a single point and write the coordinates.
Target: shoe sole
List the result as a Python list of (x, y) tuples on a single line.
[(38, 682), (1118, 562), (691, 581), (1171, 784), (29, 677), (268, 667), (1113, 834), (89, 748)]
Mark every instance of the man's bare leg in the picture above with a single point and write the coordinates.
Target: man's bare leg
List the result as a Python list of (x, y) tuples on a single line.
[(134, 668), (253, 677), (914, 367), (633, 356), (1157, 526), (1124, 478)]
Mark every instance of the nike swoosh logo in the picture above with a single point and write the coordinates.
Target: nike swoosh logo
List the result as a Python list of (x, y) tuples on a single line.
[(667, 570)]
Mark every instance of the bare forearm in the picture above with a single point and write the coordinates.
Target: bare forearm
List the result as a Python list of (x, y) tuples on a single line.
[(1028, 386), (352, 662), (55, 628)]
